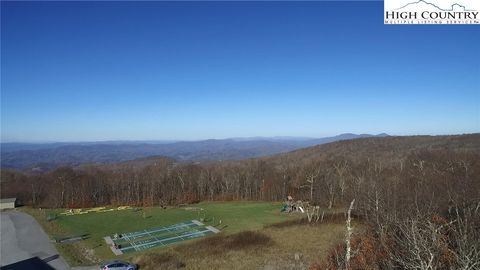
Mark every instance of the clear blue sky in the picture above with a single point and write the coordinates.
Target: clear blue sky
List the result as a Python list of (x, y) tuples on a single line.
[(83, 71)]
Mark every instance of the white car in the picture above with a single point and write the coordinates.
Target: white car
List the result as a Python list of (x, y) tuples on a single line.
[(118, 265)]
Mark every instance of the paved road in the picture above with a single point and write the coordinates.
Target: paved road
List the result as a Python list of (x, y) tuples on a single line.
[(22, 237)]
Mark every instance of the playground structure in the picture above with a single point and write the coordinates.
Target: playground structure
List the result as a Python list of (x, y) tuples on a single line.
[(161, 236), (312, 211), (294, 206)]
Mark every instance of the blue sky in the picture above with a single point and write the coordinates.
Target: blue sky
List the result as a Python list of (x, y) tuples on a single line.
[(86, 71)]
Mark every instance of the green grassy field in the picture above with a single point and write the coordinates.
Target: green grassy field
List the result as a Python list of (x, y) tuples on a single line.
[(236, 216)]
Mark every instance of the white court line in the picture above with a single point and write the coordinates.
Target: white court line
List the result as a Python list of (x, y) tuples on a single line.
[(180, 226), (133, 245), (140, 246), (178, 235), (153, 236), (171, 238)]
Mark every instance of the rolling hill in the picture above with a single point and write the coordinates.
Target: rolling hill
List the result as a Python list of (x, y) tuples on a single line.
[(48, 156)]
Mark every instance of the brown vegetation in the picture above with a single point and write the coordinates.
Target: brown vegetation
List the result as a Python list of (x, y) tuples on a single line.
[(292, 247), (153, 261), (420, 196), (329, 175), (219, 244)]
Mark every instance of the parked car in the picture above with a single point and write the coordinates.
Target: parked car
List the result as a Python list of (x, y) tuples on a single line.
[(118, 265)]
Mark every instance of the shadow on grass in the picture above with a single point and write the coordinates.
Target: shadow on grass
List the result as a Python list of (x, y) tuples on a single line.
[(72, 238)]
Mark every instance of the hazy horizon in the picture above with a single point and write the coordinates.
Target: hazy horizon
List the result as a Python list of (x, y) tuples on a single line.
[(280, 137)]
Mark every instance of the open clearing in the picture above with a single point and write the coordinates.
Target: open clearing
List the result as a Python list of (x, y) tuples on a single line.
[(306, 241), (291, 247), (155, 237), (234, 217)]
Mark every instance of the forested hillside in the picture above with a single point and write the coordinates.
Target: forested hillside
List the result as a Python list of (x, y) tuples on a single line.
[(337, 170), (419, 196)]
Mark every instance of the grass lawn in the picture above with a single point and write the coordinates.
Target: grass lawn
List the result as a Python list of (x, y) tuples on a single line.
[(290, 247), (236, 216)]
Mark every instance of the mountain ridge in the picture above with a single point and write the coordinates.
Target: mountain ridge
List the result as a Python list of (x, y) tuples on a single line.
[(49, 156)]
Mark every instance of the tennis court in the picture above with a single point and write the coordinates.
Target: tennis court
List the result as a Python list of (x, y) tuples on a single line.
[(161, 236)]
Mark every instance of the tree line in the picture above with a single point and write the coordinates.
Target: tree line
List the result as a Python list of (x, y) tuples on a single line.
[(421, 205), (421, 177)]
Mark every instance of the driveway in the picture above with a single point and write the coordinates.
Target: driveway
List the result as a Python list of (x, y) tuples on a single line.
[(22, 238)]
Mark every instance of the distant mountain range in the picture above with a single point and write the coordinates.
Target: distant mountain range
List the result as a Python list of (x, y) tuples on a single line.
[(46, 156)]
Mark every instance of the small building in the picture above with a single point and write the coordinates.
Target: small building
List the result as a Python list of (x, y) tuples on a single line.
[(8, 203)]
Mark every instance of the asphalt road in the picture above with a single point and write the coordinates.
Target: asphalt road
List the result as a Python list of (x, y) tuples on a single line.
[(22, 238)]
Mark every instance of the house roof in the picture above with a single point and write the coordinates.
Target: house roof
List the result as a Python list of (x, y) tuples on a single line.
[(32, 263), (8, 200)]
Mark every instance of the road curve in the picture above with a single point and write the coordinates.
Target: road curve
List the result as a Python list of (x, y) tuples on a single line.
[(21, 237)]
